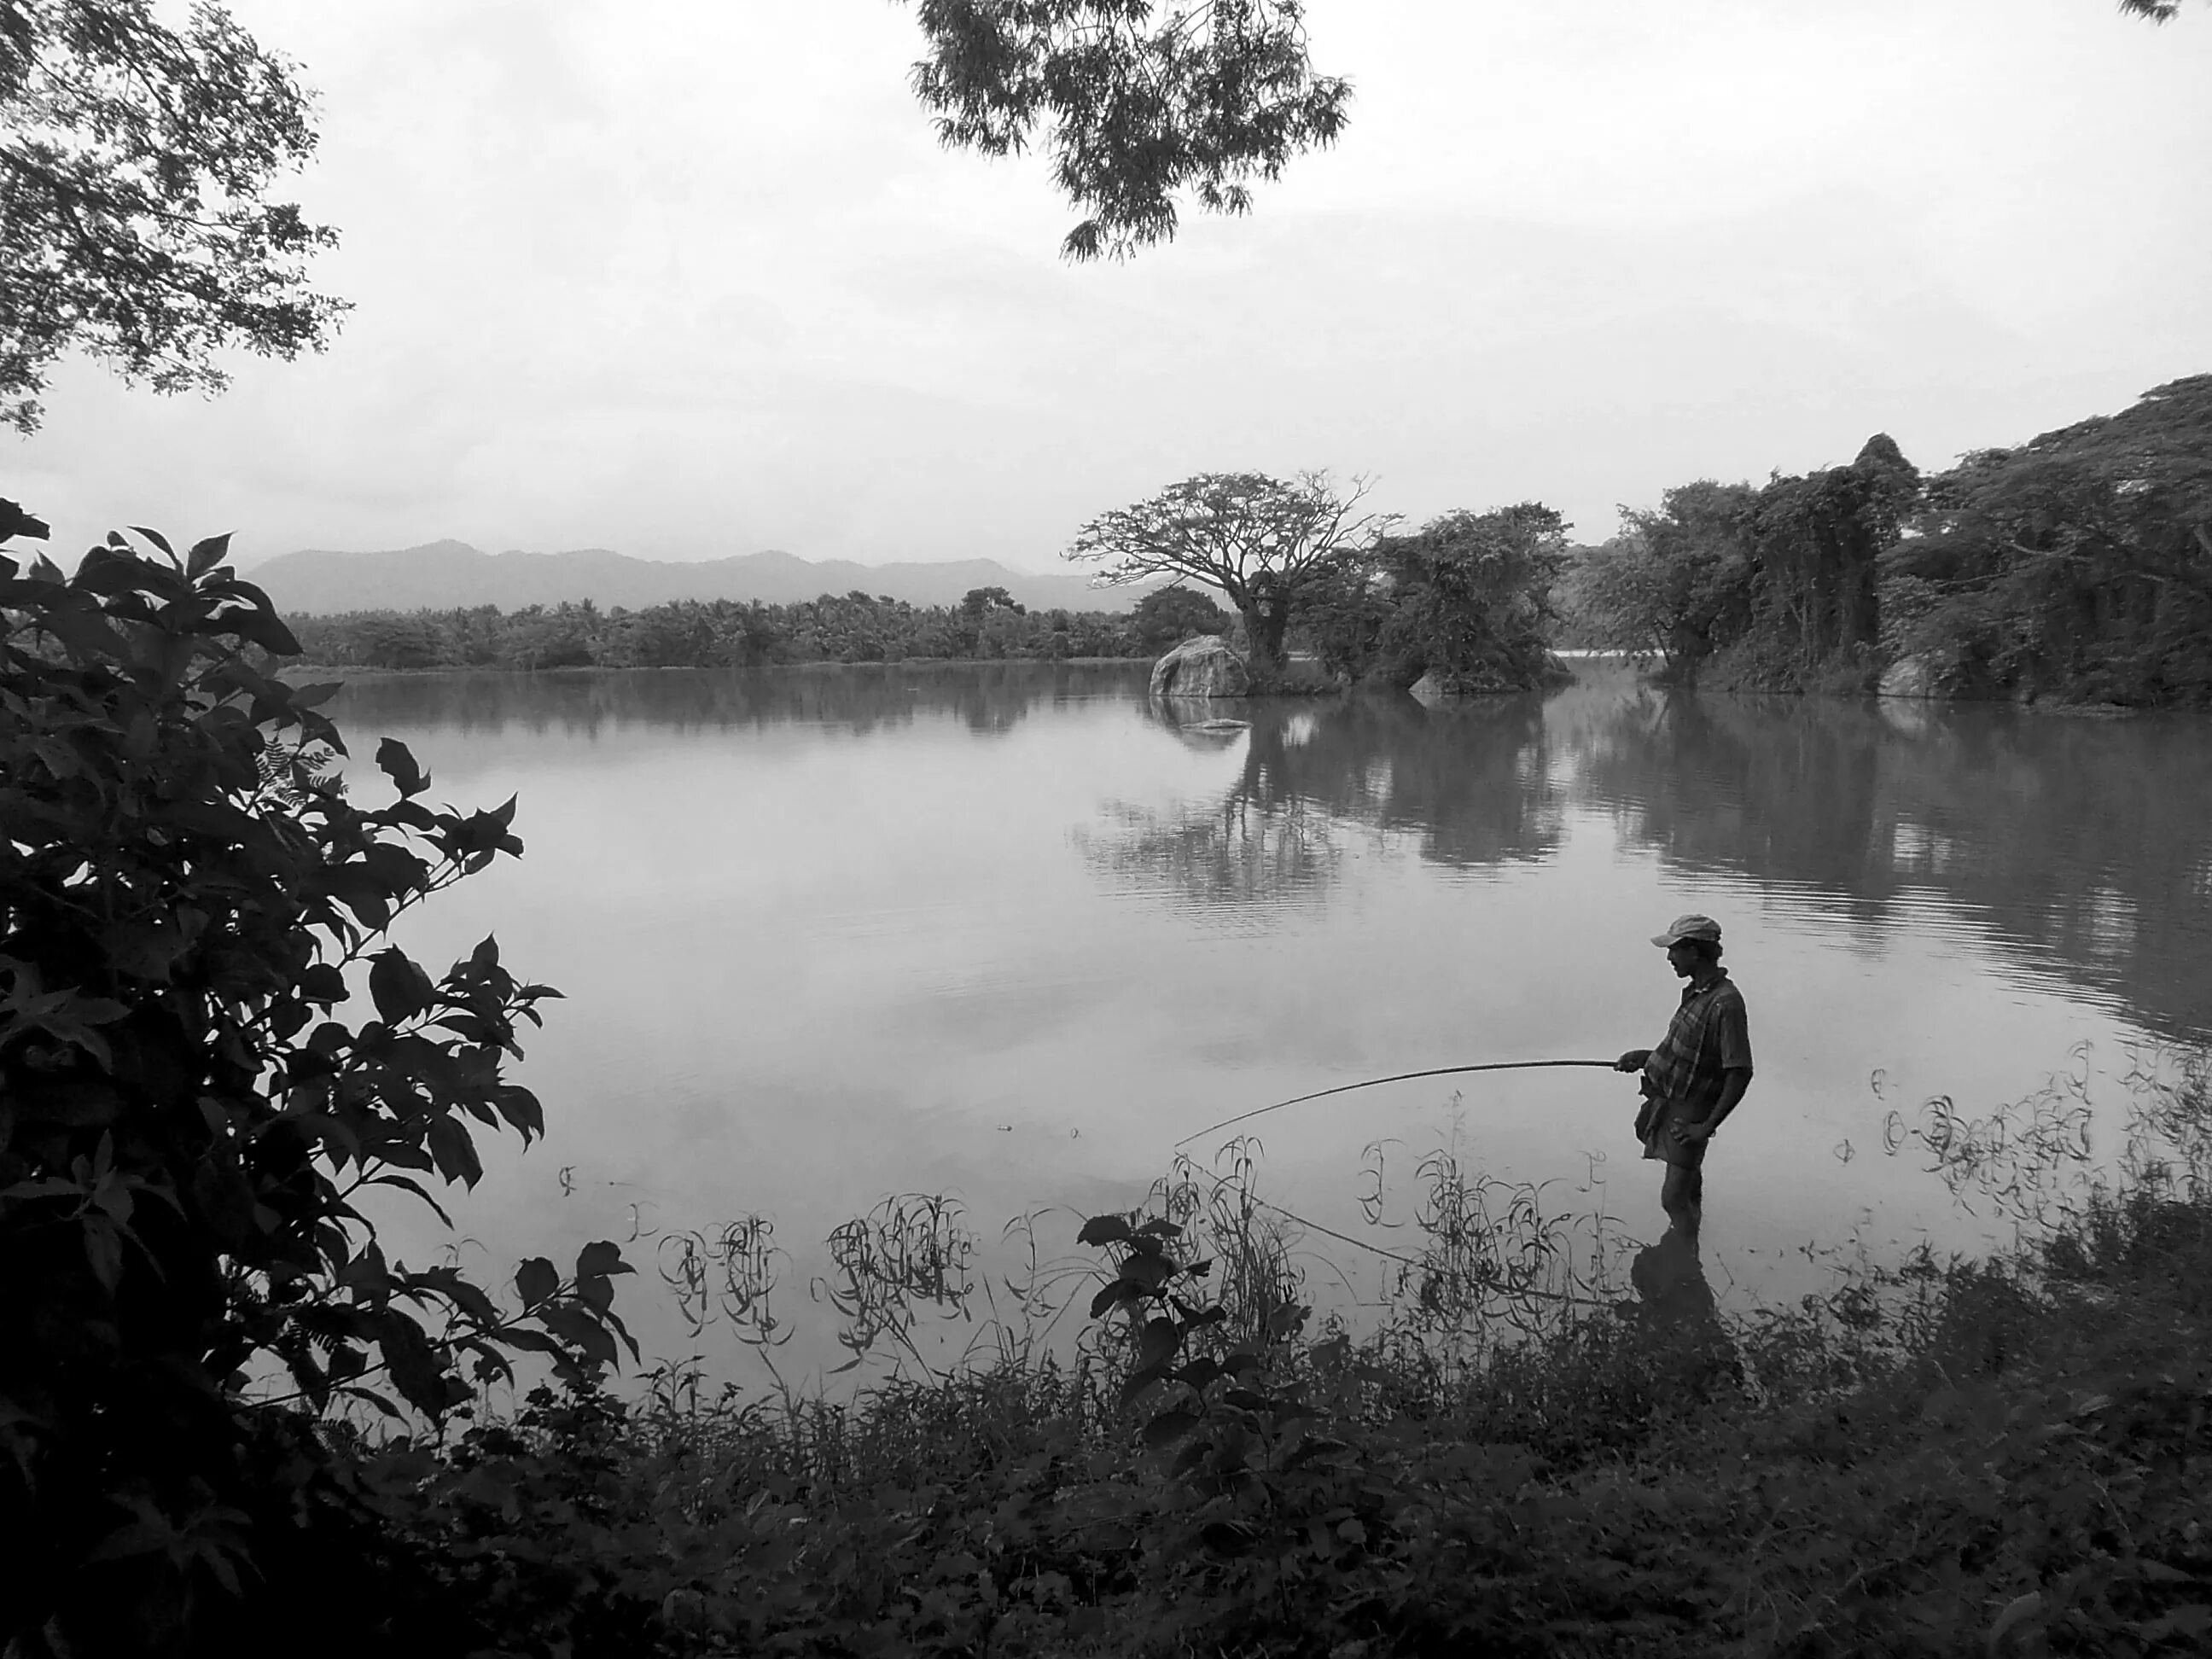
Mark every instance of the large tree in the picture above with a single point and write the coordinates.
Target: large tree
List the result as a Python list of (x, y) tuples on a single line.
[(1138, 105), (1141, 103), (1258, 540), (135, 163)]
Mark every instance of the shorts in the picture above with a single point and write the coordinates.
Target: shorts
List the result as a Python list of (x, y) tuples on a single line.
[(1652, 1128)]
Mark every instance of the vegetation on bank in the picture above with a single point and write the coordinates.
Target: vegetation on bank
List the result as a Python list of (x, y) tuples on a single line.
[(1946, 1458), (2076, 567), (987, 625)]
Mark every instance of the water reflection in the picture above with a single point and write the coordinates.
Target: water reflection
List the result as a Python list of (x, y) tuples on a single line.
[(2082, 845), (1469, 784), (988, 697), (1675, 1313)]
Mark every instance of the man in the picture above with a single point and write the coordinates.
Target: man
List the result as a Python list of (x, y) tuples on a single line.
[(1694, 1080)]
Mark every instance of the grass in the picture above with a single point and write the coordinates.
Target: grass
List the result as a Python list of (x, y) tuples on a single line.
[(1995, 1457)]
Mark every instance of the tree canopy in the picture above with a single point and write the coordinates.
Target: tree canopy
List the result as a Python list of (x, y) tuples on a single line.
[(2078, 564), (1140, 104), (135, 163), (1254, 538), (1466, 599), (1137, 108)]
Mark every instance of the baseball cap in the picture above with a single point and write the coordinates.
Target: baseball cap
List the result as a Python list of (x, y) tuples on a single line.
[(1682, 927)]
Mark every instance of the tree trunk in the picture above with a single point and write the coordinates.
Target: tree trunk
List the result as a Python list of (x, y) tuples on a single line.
[(1267, 612)]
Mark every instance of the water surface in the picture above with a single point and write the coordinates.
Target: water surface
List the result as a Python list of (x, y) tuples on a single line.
[(1002, 932)]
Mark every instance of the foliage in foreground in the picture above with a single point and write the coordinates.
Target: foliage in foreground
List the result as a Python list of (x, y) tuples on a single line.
[(1956, 1460), (188, 899), (1942, 1458)]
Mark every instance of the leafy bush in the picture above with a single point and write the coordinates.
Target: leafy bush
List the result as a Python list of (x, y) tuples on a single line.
[(188, 898), (1466, 599)]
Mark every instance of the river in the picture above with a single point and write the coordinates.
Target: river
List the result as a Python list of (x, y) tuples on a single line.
[(1001, 934)]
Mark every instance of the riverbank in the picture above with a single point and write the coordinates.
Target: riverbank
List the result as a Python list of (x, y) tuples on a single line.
[(2005, 1456)]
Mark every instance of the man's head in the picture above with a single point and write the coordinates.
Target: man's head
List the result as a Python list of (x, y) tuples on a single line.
[(1693, 945)]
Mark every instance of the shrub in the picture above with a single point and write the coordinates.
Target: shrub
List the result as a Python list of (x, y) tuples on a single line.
[(187, 899)]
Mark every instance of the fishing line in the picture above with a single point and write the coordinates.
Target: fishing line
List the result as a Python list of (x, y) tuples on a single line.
[(1411, 1261), (1401, 1077)]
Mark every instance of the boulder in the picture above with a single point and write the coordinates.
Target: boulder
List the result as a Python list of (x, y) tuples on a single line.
[(1909, 677), (1201, 667)]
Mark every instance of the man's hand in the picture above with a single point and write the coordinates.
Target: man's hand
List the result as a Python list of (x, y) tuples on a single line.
[(1632, 1060), (1691, 1135)]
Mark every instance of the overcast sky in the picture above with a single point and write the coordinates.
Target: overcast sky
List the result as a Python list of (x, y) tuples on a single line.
[(690, 277)]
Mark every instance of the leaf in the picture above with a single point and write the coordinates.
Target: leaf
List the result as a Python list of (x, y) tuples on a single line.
[(1108, 1298), (536, 1279), (398, 763), (322, 982), (1161, 1338), (600, 1260), (14, 522), (205, 554), (2017, 1612), (1198, 1372), (1138, 1380), (1168, 1427), (454, 1151), (103, 1247), (1103, 1229), (398, 986), (2193, 1621)]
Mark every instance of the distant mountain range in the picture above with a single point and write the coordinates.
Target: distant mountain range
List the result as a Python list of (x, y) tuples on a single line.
[(445, 575)]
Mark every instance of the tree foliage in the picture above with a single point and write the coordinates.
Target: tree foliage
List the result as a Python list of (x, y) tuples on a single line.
[(1259, 541), (1775, 587), (1676, 581), (135, 162), (2078, 564), (1169, 615), (189, 898), (1137, 105), (1466, 599), (712, 634)]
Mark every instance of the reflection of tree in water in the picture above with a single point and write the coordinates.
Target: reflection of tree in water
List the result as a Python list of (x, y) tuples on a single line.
[(988, 697), (2088, 841), (1469, 781)]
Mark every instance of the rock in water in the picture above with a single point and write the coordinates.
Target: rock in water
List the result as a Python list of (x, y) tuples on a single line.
[(1201, 667)]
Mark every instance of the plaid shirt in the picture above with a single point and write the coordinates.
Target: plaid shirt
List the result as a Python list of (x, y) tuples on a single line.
[(1708, 1037)]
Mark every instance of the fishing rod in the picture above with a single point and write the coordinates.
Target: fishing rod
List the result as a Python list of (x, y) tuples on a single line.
[(1400, 1077)]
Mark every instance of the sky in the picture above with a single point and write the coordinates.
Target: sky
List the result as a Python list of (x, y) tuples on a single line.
[(688, 278)]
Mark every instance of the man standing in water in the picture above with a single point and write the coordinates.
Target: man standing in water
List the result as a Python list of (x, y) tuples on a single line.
[(1694, 1080)]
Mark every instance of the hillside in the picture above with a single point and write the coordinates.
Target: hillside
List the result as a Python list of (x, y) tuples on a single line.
[(442, 575)]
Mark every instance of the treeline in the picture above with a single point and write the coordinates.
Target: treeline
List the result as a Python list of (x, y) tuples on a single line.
[(987, 624), (2076, 567)]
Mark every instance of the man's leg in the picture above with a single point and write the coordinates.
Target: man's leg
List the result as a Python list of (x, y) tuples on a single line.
[(1682, 1196)]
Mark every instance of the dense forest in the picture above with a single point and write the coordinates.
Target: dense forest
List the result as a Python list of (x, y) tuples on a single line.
[(856, 627), (2075, 568)]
